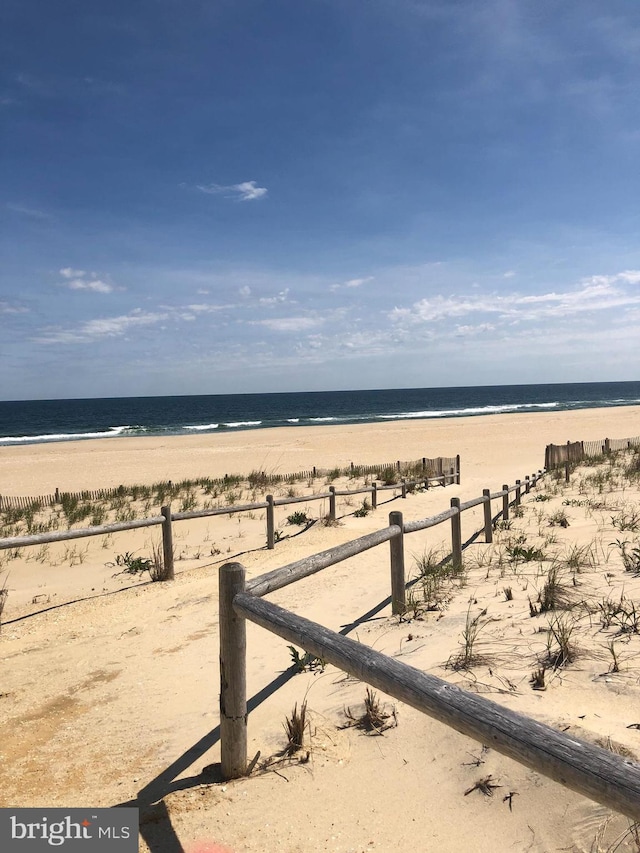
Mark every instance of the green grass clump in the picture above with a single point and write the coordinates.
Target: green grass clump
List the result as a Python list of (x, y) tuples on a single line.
[(298, 518), (524, 553), (364, 510)]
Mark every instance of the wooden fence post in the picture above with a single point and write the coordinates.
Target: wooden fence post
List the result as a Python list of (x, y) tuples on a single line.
[(458, 469), (167, 542), (488, 526), (271, 527), (566, 472), (518, 492), (396, 548), (505, 503), (456, 535), (527, 484), (607, 445), (332, 503), (57, 495), (404, 487), (374, 495), (233, 674)]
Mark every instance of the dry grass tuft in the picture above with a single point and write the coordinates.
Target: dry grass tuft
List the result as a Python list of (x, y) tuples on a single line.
[(375, 718), (294, 727), (537, 679), (486, 786), (157, 569)]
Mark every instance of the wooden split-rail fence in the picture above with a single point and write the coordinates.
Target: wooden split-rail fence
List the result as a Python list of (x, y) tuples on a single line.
[(448, 468), (597, 773), (575, 451)]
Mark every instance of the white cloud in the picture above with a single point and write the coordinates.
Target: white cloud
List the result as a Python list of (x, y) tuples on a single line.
[(289, 324), (31, 212), (358, 282), (8, 308), (352, 282), (596, 294), (82, 280), (509, 274), (274, 300), (96, 285), (245, 191), (107, 327), (245, 292), (466, 331), (206, 307), (628, 277)]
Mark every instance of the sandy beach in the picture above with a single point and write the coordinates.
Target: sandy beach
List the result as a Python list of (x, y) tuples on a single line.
[(492, 445), (110, 682)]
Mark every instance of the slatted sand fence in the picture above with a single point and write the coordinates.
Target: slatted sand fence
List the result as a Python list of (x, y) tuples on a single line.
[(597, 773), (576, 451)]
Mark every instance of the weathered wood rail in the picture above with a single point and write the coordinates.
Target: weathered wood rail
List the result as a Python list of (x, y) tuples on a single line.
[(597, 773), (609, 779)]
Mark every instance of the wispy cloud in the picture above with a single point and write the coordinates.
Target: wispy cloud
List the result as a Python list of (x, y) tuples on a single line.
[(289, 324), (595, 294), (282, 296), (10, 308), (107, 327), (245, 191), (469, 331), (81, 280), (30, 212), (351, 283), (28, 81), (207, 307)]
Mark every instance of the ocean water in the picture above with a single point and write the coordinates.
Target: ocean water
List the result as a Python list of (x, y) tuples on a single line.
[(24, 422)]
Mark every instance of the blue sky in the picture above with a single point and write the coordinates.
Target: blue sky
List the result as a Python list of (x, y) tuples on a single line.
[(260, 195)]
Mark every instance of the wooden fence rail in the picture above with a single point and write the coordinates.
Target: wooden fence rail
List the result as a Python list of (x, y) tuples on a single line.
[(576, 451), (590, 770), (597, 773), (281, 577)]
